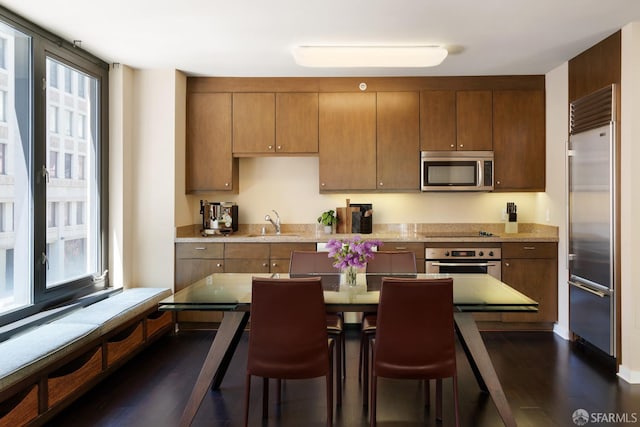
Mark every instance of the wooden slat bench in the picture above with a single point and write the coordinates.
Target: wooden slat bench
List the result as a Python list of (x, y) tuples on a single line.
[(44, 368)]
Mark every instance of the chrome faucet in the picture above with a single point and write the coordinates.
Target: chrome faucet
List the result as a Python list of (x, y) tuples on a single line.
[(275, 223)]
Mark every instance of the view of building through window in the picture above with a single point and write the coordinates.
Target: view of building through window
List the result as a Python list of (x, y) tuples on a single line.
[(71, 243)]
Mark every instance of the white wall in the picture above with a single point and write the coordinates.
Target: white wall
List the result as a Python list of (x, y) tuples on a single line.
[(630, 203), (142, 175), (557, 122)]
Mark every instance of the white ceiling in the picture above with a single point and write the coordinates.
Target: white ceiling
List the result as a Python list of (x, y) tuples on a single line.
[(254, 37)]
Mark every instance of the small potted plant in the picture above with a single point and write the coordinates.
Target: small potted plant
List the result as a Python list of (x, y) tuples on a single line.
[(327, 219)]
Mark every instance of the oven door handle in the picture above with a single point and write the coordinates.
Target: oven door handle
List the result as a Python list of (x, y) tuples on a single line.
[(463, 264)]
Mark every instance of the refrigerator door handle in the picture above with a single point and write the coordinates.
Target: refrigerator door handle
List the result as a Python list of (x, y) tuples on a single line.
[(590, 290)]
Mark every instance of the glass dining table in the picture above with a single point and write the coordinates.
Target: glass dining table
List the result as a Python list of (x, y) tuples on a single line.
[(231, 294)]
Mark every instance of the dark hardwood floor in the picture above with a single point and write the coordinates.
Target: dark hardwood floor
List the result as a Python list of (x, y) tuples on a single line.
[(544, 378)]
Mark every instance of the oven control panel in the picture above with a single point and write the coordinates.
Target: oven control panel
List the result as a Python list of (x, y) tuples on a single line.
[(463, 253)]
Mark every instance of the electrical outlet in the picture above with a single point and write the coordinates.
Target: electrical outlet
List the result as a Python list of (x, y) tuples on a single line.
[(504, 214)]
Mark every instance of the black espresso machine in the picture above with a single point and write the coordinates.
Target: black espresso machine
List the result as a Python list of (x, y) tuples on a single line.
[(218, 217)]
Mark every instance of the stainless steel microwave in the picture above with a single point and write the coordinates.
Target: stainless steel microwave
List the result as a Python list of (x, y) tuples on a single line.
[(456, 170)]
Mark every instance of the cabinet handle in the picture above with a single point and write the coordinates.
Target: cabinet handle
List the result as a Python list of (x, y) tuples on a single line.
[(200, 249), (498, 182), (381, 183), (529, 248), (279, 147), (506, 264), (270, 147), (219, 265), (226, 184), (461, 145), (322, 184), (401, 248), (452, 145), (275, 264), (265, 264)]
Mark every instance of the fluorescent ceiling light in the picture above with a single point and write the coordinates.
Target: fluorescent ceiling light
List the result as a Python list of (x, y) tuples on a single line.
[(369, 56)]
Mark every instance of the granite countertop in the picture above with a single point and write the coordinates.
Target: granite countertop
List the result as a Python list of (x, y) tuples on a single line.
[(454, 232)]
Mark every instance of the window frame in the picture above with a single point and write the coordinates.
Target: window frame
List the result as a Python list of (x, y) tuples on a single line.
[(45, 44)]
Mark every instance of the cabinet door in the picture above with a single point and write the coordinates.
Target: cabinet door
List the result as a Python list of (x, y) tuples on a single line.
[(519, 140), (347, 141), (210, 165), (416, 248), (537, 279), (280, 257), (473, 120), (438, 120), (246, 257), (398, 140), (297, 122), (254, 121)]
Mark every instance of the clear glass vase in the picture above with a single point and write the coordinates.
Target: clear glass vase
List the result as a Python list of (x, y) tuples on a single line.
[(350, 274)]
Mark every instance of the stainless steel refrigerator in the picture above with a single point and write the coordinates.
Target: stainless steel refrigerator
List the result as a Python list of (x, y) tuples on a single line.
[(593, 194)]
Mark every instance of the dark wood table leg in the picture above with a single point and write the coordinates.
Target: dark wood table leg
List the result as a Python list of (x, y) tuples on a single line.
[(481, 365), (217, 361)]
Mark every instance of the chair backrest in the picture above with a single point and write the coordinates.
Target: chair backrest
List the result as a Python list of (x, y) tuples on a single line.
[(288, 335), (415, 335), (308, 262), (392, 262)]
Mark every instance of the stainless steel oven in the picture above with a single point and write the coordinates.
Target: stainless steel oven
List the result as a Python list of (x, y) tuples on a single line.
[(464, 260)]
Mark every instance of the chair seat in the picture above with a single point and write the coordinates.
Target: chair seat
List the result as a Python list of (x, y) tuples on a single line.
[(369, 322), (335, 324)]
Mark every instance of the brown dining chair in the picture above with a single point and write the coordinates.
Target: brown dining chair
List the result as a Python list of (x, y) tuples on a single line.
[(288, 336), (309, 263), (383, 262), (415, 337)]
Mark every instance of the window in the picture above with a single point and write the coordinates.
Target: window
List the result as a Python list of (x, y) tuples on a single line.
[(81, 167), (80, 213), (81, 88), (82, 123), (68, 159), (3, 53), (53, 119), (68, 123), (68, 82), (53, 164), (52, 215), (41, 265), (53, 75), (3, 106), (3, 159)]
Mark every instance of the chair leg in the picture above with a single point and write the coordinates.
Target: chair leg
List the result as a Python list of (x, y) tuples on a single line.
[(439, 399), (338, 343), (373, 403), (427, 393), (247, 393), (329, 380), (365, 370), (265, 398), (363, 344), (278, 391), (455, 400)]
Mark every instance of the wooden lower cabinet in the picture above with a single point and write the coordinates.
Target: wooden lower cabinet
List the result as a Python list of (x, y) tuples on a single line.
[(416, 248), (195, 261), (532, 268)]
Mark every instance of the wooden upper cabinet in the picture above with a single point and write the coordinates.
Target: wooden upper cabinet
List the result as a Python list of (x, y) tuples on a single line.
[(209, 162), (473, 120), (398, 141), (519, 140), (254, 119), (297, 123), (438, 120), (347, 141), (456, 120)]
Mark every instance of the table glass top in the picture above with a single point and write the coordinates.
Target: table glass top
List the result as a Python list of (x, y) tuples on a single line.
[(232, 291)]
